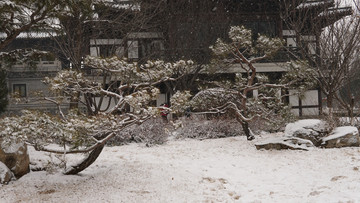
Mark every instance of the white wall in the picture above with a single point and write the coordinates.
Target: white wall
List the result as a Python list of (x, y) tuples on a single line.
[(311, 98)]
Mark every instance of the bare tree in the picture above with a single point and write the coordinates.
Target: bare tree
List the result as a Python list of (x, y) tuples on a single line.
[(328, 37), (20, 16)]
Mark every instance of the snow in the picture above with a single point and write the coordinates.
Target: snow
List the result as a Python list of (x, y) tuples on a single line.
[(31, 35), (341, 131), (216, 170), (12, 148), (300, 125), (292, 142), (3, 171), (310, 4)]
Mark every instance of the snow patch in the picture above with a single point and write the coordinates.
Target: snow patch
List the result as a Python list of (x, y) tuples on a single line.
[(341, 131), (12, 148), (291, 142)]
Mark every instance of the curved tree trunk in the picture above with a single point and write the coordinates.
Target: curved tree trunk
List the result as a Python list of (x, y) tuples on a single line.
[(86, 162)]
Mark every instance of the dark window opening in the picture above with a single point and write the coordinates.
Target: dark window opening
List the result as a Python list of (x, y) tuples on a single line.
[(19, 90)]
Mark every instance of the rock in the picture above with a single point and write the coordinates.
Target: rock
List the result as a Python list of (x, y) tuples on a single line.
[(346, 136), (280, 143), (5, 174), (309, 129), (16, 158)]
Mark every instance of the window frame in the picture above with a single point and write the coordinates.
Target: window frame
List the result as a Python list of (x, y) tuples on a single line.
[(18, 88)]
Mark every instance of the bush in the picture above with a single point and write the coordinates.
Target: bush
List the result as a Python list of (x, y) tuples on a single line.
[(151, 132), (201, 128)]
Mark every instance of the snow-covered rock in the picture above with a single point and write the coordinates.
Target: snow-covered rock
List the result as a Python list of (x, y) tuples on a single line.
[(16, 158), (309, 129), (5, 174), (280, 143), (346, 136)]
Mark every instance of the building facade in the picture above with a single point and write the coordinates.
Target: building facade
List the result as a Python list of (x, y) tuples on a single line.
[(184, 29)]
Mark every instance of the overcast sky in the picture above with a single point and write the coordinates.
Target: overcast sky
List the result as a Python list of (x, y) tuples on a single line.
[(346, 2)]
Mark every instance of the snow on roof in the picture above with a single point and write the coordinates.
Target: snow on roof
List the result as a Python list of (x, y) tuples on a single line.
[(309, 4), (332, 11), (31, 35), (122, 4)]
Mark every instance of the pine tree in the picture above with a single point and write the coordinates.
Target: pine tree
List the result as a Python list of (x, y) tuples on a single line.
[(237, 97)]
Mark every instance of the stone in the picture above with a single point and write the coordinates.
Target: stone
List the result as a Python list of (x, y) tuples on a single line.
[(345, 136), (5, 174), (309, 129), (16, 158), (281, 143)]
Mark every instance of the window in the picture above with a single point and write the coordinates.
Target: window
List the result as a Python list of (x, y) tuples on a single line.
[(19, 90), (133, 49), (48, 59), (106, 47)]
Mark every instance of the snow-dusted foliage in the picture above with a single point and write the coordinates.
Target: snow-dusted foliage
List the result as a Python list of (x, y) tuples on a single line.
[(199, 127), (40, 129), (134, 86), (28, 57), (250, 95), (67, 82), (299, 75), (133, 72), (212, 98), (242, 45), (152, 132), (180, 101)]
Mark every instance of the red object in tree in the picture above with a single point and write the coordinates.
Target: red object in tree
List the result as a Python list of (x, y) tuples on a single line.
[(164, 112)]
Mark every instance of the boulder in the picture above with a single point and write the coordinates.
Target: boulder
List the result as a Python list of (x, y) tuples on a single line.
[(280, 143), (309, 129), (15, 156), (5, 174), (346, 136)]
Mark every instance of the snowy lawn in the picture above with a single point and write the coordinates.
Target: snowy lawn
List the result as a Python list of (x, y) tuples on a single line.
[(217, 170)]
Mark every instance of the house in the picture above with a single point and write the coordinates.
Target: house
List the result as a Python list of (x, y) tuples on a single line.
[(25, 81), (190, 27), (195, 25), (27, 88), (184, 29)]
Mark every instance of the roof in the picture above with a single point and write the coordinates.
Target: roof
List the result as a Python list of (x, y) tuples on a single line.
[(121, 4), (32, 35), (318, 3)]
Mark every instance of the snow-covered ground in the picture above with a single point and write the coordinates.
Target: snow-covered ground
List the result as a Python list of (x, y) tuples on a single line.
[(217, 170)]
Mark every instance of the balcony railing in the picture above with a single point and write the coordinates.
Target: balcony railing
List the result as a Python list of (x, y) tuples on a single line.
[(41, 66)]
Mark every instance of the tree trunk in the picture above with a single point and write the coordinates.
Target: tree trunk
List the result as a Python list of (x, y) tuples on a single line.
[(249, 134), (329, 105), (74, 101), (86, 162), (351, 110)]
